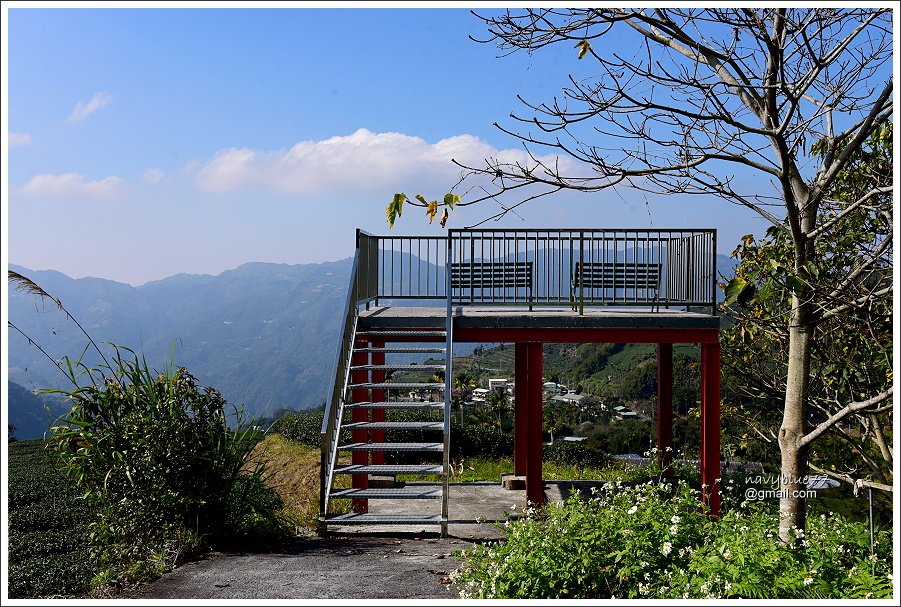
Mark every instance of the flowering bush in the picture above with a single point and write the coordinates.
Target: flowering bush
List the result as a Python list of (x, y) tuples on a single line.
[(653, 540)]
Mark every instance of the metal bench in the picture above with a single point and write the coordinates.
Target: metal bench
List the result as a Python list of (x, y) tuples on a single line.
[(489, 277), (615, 283)]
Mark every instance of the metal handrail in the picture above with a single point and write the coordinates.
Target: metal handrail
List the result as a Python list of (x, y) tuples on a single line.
[(334, 406), (415, 267)]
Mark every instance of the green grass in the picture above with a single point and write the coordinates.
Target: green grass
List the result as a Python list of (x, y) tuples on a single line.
[(292, 471), (48, 527), (480, 469)]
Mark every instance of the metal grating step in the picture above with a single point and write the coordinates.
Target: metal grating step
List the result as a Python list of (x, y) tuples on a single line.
[(403, 350), (396, 386), (394, 405), (394, 426), (407, 493), (388, 469), (398, 368), (383, 519), (432, 447), (424, 333)]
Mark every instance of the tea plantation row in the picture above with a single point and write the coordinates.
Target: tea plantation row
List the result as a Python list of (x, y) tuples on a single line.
[(48, 527)]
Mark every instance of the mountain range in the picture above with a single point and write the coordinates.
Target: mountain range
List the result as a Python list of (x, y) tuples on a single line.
[(263, 334)]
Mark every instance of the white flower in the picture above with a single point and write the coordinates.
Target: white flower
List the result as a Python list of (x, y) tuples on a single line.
[(808, 581), (728, 586), (667, 548), (632, 510), (674, 529), (675, 519)]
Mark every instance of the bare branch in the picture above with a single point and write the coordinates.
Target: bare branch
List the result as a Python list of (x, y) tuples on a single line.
[(845, 412)]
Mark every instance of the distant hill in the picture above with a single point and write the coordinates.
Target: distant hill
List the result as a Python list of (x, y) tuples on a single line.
[(31, 415), (264, 334)]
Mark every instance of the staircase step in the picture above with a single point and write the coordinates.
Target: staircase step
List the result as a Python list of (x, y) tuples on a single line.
[(389, 469), (396, 386), (439, 447), (394, 405), (394, 426), (424, 333), (403, 350), (383, 519), (398, 368), (414, 492)]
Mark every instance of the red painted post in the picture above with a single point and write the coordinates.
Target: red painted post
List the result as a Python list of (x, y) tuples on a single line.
[(710, 426), (378, 415), (521, 411), (534, 477), (665, 408), (360, 481)]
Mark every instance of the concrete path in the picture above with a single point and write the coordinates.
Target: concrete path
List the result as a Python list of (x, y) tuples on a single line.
[(332, 568), (381, 562)]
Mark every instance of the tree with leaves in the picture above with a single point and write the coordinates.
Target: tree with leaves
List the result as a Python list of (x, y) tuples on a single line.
[(498, 404), (464, 384), (721, 102), (849, 284)]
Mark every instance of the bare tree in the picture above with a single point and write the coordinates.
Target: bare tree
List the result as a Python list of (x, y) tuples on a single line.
[(682, 102)]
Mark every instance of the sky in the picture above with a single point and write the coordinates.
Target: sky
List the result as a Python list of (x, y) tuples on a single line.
[(144, 143)]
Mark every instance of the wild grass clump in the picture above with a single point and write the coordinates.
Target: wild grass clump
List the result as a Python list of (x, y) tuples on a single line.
[(163, 465), (653, 540)]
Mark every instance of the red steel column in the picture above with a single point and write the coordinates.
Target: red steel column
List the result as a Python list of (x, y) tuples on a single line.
[(710, 426), (534, 478), (359, 481), (521, 411), (378, 415), (665, 408)]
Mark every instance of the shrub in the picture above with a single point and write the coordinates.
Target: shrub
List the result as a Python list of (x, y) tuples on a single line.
[(653, 540), (579, 454), (303, 427), (154, 455)]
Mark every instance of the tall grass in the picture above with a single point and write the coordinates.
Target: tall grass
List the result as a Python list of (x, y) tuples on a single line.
[(156, 457)]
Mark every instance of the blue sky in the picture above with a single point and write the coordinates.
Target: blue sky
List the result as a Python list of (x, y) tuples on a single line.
[(149, 142)]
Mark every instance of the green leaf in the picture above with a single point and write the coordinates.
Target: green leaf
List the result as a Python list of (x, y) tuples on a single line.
[(395, 208), (421, 199), (739, 290), (451, 200), (795, 283)]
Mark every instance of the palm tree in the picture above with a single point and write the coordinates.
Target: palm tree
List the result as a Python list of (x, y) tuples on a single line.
[(499, 402), (464, 383)]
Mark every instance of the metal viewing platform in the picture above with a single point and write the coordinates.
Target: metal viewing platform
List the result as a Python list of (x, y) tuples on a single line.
[(526, 287)]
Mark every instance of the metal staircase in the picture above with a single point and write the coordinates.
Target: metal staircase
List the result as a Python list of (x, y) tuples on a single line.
[(366, 404)]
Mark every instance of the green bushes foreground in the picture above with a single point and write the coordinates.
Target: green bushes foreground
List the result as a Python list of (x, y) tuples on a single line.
[(654, 541), (159, 465)]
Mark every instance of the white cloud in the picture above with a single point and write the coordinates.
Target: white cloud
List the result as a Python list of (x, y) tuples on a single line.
[(84, 109), (363, 161), (16, 139), (153, 175), (72, 185)]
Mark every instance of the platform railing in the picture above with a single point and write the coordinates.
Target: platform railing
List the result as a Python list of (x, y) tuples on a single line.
[(330, 433), (493, 263)]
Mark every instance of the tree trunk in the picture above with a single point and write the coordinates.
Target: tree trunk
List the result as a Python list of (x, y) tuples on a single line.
[(792, 487)]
